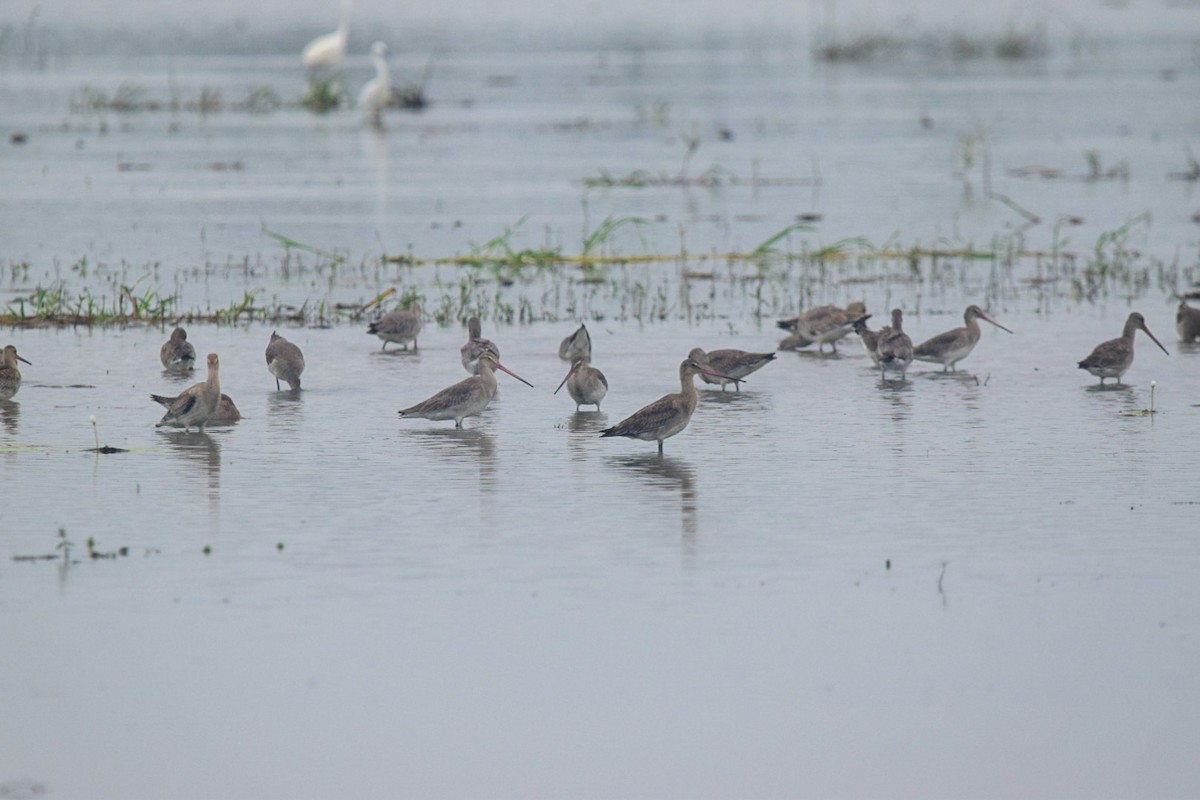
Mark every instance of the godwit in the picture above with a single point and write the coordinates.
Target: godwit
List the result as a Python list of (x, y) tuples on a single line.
[(226, 413), (870, 340), (10, 376), (177, 353), (895, 349), (737, 364), (1187, 322), (284, 361), (374, 96), (954, 345), (400, 327), (667, 415), (586, 384), (822, 325), (467, 398), (197, 402), (476, 346), (1113, 358), (577, 344), (327, 49)]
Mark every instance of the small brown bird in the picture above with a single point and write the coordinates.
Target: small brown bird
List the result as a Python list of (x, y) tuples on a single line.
[(10, 376), (467, 398), (226, 412), (669, 414), (476, 346), (177, 353), (586, 384), (398, 327), (870, 340), (284, 361), (736, 364), (197, 403), (1113, 358), (954, 345), (895, 349), (822, 325), (1187, 322), (577, 344)]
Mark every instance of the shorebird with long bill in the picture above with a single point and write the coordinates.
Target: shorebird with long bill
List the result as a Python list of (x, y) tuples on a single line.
[(467, 398), (197, 403), (869, 338), (736, 364), (577, 344), (284, 361), (476, 346), (226, 413), (10, 376), (894, 348), (586, 384), (398, 327), (669, 414), (822, 325), (1113, 358), (1187, 322), (177, 353), (954, 345)]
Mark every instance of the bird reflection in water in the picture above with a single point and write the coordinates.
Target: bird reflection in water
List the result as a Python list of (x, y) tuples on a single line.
[(10, 415), (673, 475), (285, 407), (587, 422), (202, 449), (471, 445)]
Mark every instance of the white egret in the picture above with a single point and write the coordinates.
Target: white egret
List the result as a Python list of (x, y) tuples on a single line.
[(328, 49), (377, 92)]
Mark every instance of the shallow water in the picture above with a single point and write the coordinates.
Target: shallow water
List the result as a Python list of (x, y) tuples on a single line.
[(974, 584)]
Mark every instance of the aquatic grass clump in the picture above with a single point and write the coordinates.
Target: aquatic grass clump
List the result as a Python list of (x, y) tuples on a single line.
[(1012, 44), (325, 95)]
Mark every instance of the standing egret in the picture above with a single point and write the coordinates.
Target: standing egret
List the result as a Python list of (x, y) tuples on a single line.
[(377, 92), (328, 49)]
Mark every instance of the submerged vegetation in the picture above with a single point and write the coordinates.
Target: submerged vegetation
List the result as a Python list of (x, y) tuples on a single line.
[(1012, 44), (504, 281)]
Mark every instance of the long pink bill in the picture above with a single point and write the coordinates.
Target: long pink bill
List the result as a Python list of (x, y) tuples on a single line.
[(986, 318), (503, 368), (713, 374), (1147, 330), (570, 372)]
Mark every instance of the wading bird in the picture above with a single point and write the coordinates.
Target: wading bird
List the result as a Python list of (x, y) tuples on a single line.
[(467, 398), (954, 345), (736, 364), (821, 325), (177, 353), (476, 346), (10, 376), (586, 384), (667, 415), (197, 403), (226, 413), (1187, 322), (284, 361), (1113, 358), (894, 347), (398, 327), (377, 92), (577, 344), (328, 49)]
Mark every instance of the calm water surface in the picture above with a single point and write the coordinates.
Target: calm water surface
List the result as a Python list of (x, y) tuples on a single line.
[(976, 584)]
